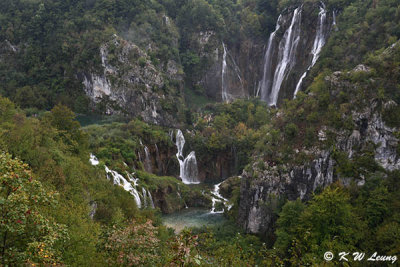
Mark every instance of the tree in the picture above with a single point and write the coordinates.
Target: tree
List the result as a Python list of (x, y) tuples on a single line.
[(133, 245), (27, 235), (288, 223), (63, 119)]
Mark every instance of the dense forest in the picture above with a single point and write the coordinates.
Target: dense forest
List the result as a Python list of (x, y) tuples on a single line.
[(115, 114)]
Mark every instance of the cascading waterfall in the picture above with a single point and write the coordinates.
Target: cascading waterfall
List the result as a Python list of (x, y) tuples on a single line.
[(187, 166), (319, 43), (225, 95), (118, 179), (129, 186), (265, 83), (217, 197), (286, 55)]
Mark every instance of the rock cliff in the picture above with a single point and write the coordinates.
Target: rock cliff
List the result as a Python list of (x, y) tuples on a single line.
[(266, 185), (129, 82)]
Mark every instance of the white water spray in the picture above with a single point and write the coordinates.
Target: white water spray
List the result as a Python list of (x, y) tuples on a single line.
[(187, 166), (319, 43), (225, 95), (286, 55), (266, 81), (217, 197), (147, 160)]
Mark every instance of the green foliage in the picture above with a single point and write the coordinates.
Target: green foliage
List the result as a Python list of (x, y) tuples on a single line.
[(136, 244), (327, 223), (27, 233)]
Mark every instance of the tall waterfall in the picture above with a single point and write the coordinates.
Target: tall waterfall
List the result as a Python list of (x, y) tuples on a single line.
[(319, 42), (266, 81), (224, 90), (187, 166), (286, 56)]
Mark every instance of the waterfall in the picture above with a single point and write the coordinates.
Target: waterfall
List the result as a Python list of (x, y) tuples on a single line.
[(334, 21), (120, 180), (144, 193), (147, 198), (217, 197), (93, 160), (187, 166), (266, 79), (180, 197), (147, 160), (180, 142), (171, 135), (190, 171), (319, 43), (225, 95), (286, 55), (151, 200), (159, 161)]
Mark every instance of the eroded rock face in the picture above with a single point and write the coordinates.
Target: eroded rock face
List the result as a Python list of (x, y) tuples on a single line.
[(267, 184), (130, 83), (262, 190)]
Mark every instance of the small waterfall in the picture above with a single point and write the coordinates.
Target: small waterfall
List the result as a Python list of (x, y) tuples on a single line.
[(144, 193), (151, 200), (319, 43), (147, 198), (180, 143), (217, 197), (159, 161), (187, 166), (180, 197), (335, 27), (93, 160), (225, 95), (266, 81), (147, 160), (286, 55), (171, 135)]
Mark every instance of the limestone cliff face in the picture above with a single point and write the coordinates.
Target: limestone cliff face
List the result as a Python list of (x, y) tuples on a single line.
[(235, 70), (266, 185), (129, 82)]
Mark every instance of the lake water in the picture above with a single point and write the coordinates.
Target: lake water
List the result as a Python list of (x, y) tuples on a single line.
[(192, 217)]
